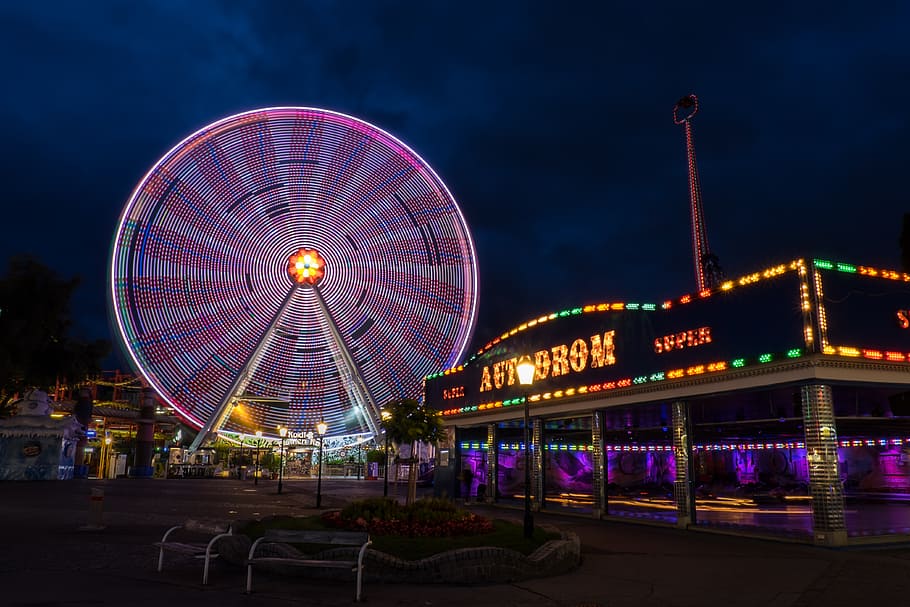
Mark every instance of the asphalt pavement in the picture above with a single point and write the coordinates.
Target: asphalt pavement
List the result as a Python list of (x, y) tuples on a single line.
[(61, 550)]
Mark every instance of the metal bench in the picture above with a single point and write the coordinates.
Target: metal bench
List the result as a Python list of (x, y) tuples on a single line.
[(196, 539), (294, 557)]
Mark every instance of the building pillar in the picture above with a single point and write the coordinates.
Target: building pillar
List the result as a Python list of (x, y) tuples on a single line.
[(492, 463), (145, 437), (83, 414), (459, 465), (683, 487), (825, 489), (601, 504), (537, 472)]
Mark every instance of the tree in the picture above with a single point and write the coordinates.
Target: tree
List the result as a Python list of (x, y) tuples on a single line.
[(35, 347), (410, 423)]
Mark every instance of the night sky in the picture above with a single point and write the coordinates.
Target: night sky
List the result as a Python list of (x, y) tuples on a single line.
[(550, 122)]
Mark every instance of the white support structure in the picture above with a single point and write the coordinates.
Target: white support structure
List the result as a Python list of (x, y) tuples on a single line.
[(218, 417), (350, 375)]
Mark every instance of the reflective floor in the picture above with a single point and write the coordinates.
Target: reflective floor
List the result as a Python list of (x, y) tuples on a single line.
[(865, 516)]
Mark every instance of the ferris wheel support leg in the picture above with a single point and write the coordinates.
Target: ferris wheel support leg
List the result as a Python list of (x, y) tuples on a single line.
[(357, 387), (224, 409)]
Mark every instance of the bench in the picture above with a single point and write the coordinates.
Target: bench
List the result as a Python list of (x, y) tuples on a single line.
[(293, 557), (196, 539)]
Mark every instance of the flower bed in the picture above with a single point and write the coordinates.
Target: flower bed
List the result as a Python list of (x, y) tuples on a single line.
[(423, 518)]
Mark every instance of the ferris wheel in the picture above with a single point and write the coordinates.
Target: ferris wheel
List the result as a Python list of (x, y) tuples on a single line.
[(287, 266)]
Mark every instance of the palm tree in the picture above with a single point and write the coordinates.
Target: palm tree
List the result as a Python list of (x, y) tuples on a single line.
[(410, 423)]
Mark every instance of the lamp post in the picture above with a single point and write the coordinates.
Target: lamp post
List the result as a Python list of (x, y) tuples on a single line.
[(240, 462), (284, 433), (525, 369), (106, 457), (258, 444), (386, 416), (321, 427)]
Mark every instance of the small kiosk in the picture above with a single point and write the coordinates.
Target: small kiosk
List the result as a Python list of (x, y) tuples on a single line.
[(34, 446)]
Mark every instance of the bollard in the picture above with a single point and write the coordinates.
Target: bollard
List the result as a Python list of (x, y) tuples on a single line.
[(95, 511)]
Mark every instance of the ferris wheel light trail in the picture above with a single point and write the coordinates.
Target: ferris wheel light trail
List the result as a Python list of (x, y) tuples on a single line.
[(239, 386), (288, 265), (348, 370)]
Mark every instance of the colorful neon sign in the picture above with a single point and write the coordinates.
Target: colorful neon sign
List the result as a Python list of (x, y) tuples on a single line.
[(683, 339), (565, 359)]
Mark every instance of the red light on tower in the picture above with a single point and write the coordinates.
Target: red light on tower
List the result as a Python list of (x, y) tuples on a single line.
[(708, 273), (306, 267)]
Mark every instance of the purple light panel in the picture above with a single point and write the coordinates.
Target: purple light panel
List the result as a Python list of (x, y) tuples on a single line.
[(199, 268)]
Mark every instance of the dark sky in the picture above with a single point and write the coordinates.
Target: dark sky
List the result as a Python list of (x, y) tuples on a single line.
[(550, 122)]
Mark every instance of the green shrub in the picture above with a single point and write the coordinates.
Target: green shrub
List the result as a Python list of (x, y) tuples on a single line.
[(376, 456)]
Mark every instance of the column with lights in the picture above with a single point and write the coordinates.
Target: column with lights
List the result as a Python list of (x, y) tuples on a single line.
[(537, 464), (599, 457), (683, 486), (492, 462), (825, 488)]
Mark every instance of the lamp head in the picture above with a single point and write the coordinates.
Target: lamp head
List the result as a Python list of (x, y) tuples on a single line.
[(321, 428), (525, 369)]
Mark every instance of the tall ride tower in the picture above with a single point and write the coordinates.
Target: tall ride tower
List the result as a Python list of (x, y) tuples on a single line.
[(708, 273)]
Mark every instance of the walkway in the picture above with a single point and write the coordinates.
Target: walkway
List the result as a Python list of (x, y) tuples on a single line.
[(47, 560)]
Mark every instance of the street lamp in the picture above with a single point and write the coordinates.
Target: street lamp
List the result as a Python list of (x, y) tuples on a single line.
[(525, 369), (105, 457), (321, 427), (386, 416), (258, 444), (284, 433), (240, 461)]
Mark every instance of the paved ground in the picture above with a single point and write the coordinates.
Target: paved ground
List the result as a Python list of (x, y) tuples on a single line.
[(49, 560)]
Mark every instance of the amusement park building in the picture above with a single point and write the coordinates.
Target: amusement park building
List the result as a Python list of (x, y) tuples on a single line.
[(777, 404), (114, 423)]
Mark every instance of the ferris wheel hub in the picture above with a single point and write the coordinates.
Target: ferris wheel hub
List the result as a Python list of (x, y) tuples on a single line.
[(306, 266)]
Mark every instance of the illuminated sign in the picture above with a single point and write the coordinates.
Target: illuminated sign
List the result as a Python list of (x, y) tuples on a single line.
[(450, 393), (564, 359), (611, 346), (683, 339), (903, 319)]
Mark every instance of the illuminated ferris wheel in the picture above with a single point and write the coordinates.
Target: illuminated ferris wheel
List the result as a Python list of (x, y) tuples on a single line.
[(286, 266)]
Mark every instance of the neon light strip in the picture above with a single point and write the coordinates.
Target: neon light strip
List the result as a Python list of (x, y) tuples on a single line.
[(851, 351), (749, 279), (798, 265), (519, 446), (628, 382)]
